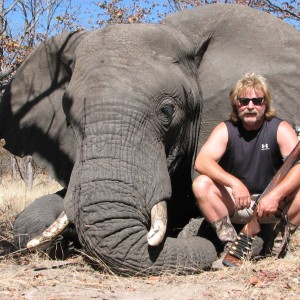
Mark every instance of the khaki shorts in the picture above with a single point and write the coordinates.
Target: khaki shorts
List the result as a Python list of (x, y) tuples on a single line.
[(245, 215)]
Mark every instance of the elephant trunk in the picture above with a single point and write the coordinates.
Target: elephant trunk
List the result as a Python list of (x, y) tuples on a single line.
[(115, 198), (114, 201), (116, 233)]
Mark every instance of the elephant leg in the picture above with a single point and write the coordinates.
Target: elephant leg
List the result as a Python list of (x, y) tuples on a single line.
[(200, 227), (37, 217)]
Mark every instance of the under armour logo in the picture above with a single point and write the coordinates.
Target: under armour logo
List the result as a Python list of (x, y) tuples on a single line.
[(265, 147)]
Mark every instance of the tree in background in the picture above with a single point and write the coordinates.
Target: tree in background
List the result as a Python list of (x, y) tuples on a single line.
[(24, 23), (134, 11)]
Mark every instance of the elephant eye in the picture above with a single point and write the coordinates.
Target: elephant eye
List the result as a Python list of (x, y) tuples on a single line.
[(167, 112)]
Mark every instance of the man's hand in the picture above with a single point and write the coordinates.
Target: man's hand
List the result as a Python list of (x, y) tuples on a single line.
[(268, 205), (241, 196)]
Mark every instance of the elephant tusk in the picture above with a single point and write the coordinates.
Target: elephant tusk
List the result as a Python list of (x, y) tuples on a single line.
[(158, 224), (50, 233)]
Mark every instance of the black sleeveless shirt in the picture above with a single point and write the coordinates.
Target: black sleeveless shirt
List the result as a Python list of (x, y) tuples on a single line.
[(252, 156)]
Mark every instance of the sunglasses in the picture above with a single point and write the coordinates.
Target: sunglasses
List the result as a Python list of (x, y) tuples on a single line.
[(255, 101)]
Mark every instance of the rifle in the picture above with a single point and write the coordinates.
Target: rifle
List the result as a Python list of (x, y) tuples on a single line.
[(242, 245)]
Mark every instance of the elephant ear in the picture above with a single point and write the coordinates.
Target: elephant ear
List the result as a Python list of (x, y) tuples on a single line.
[(230, 40), (32, 120)]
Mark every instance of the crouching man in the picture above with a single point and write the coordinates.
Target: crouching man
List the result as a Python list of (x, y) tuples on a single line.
[(239, 159)]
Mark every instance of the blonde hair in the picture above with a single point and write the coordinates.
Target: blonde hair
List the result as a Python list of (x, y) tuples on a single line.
[(251, 81)]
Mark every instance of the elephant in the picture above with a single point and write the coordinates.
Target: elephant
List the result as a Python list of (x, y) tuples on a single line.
[(117, 115)]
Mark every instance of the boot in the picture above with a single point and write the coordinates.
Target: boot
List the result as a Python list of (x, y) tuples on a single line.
[(287, 230), (227, 234), (224, 229)]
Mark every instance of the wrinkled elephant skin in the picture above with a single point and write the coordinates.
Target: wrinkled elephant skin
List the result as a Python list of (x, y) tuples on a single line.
[(117, 115)]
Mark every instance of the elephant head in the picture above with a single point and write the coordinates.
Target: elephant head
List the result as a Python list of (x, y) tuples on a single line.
[(116, 115)]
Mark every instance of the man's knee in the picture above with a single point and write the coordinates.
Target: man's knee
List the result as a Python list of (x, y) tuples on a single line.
[(201, 185)]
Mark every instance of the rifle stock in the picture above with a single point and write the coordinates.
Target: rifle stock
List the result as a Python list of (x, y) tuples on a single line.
[(242, 245)]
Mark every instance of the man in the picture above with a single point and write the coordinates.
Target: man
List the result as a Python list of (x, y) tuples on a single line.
[(240, 158)]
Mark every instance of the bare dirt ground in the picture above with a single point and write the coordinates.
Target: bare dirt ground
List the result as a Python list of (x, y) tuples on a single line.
[(33, 276)]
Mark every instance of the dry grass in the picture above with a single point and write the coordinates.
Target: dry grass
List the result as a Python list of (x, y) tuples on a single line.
[(15, 196), (33, 276)]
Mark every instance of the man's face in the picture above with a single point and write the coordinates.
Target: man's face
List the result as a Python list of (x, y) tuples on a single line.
[(251, 112)]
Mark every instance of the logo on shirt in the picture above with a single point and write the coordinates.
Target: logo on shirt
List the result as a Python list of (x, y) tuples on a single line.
[(265, 147)]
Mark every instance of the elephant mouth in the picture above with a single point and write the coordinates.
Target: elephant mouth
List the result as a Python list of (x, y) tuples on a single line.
[(155, 235)]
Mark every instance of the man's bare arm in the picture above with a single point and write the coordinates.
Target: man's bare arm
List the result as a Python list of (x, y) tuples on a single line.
[(207, 164), (286, 138), (270, 202)]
